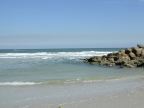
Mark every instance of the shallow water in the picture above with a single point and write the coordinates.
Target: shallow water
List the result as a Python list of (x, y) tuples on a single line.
[(45, 66)]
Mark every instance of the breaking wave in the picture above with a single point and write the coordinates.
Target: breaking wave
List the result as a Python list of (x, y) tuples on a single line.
[(54, 55), (17, 83)]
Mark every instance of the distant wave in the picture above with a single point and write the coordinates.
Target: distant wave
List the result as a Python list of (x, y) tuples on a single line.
[(54, 55), (17, 83)]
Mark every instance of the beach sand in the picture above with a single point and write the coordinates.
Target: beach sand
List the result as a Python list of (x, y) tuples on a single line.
[(129, 99), (117, 100), (109, 94), (120, 100)]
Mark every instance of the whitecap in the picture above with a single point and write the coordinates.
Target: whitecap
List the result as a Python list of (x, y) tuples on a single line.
[(15, 83), (54, 55)]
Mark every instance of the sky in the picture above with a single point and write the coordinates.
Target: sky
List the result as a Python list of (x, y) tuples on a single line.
[(71, 23)]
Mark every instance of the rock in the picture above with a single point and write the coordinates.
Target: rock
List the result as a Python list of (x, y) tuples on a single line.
[(129, 65), (115, 58), (142, 53), (140, 45), (110, 55), (132, 55), (137, 51), (94, 59), (110, 59), (134, 50), (140, 63), (127, 51)]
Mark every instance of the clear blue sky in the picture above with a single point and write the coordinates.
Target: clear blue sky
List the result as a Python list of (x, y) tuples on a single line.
[(71, 23)]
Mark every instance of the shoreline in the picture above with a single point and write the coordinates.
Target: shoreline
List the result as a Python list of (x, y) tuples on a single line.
[(101, 94)]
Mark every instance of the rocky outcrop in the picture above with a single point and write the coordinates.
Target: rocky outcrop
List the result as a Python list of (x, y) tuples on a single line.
[(130, 57)]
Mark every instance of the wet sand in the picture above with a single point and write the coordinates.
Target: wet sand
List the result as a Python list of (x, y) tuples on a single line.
[(109, 94), (120, 100)]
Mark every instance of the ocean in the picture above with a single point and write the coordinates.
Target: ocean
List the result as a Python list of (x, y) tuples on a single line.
[(24, 71), (47, 66)]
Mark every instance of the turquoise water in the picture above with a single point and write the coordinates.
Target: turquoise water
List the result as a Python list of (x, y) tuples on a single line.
[(56, 66)]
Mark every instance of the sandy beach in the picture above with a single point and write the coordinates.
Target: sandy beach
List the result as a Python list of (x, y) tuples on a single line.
[(109, 94), (121, 100)]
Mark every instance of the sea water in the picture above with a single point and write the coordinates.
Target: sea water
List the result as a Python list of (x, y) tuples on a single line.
[(48, 66), (28, 70)]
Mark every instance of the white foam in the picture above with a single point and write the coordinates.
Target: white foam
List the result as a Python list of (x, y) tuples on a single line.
[(15, 83), (54, 55)]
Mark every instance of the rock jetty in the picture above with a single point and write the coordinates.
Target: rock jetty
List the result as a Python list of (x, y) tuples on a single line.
[(130, 57)]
